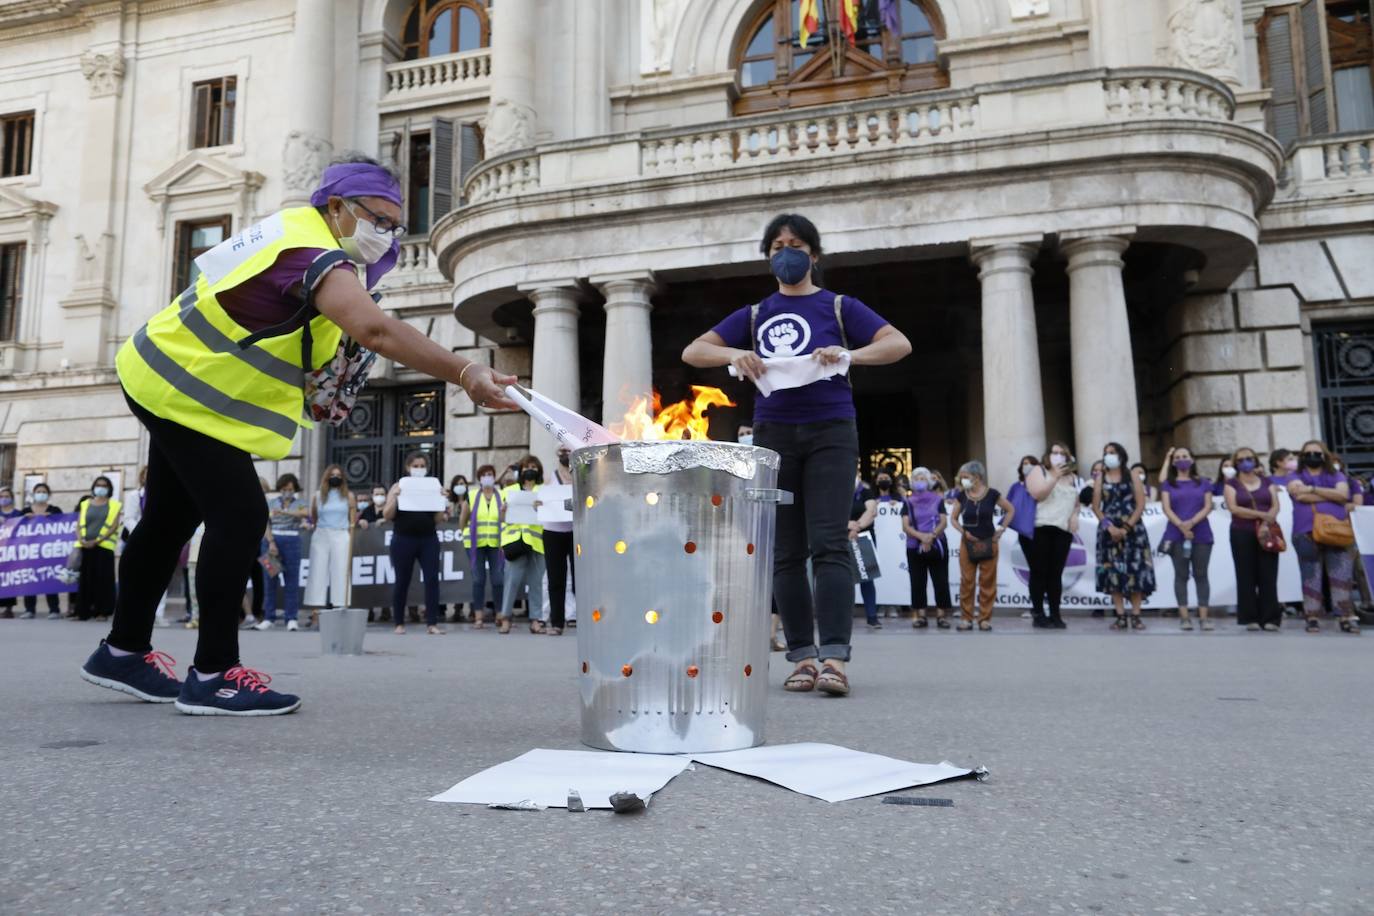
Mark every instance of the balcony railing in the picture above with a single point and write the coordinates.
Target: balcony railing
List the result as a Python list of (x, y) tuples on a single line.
[(444, 75), (891, 123), (1331, 164)]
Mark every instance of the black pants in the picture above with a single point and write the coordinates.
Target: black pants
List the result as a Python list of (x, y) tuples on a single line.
[(95, 591), (405, 550), (1049, 551), (818, 462), (1257, 580), (31, 604), (558, 554), (934, 563), (192, 478)]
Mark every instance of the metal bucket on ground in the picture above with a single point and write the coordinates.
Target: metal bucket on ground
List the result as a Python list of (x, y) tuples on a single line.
[(341, 630), (674, 554)]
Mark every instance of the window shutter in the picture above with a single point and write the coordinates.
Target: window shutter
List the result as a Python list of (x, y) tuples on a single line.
[(200, 120), (1321, 115), (401, 163), (469, 153), (440, 169), (1284, 115)]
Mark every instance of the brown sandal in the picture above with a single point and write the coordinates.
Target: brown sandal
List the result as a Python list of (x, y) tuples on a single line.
[(833, 681), (536, 627), (801, 680), (503, 625), (479, 620)]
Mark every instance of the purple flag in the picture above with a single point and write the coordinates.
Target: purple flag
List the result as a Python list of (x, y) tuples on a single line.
[(32, 549), (892, 20)]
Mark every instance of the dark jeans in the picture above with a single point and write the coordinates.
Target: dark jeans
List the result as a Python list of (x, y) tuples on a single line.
[(1197, 559), (405, 550), (934, 564), (487, 561), (818, 461), (868, 591), (31, 604), (289, 553), (192, 478), (1257, 577), (558, 554), (1049, 551)]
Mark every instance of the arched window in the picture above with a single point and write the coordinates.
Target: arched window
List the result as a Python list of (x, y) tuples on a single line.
[(435, 27), (775, 71)]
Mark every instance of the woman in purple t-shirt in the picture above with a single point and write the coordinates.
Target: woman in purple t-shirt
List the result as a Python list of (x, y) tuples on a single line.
[(1254, 504), (927, 552), (1321, 488), (1187, 501), (812, 428)]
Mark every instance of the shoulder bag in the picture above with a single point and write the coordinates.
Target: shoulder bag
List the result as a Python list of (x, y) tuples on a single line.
[(1329, 531)]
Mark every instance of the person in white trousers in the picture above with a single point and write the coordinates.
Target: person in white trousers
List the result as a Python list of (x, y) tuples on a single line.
[(334, 513)]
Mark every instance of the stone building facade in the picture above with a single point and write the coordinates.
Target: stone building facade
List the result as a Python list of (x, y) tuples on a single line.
[(1146, 222)]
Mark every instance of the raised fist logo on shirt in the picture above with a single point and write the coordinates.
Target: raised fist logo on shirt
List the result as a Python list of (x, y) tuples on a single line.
[(784, 335)]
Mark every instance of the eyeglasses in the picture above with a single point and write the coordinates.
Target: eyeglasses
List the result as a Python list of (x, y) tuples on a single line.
[(382, 224)]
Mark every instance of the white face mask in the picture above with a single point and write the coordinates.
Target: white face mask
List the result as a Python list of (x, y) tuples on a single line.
[(101, 491), (366, 244), (966, 483), (1058, 460), (379, 501), (1026, 469), (746, 439), (460, 490), (419, 472), (486, 480), (40, 497), (362, 504), (1228, 472), (1111, 462)]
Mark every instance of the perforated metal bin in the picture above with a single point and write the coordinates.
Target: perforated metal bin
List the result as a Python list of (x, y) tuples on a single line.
[(674, 553)]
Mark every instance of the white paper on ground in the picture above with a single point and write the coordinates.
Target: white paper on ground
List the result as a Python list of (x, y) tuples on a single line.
[(520, 508), (794, 372), (421, 494), (553, 498), (830, 772), (544, 777)]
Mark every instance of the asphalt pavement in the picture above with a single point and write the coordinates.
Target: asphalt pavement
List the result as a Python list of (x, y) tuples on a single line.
[(1155, 772)]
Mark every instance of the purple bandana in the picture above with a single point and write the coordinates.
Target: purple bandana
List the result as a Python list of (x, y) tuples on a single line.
[(361, 179)]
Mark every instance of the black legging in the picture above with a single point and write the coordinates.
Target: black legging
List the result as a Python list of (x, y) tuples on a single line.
[(1049, 551), (405, 550), (935, 564), (192, 478), (558, 553)]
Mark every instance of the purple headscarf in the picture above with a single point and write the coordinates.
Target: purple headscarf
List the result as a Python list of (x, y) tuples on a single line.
[(361, 179)]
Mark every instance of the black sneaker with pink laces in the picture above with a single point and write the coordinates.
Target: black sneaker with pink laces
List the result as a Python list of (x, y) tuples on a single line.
[(239, 691), (150, 675)]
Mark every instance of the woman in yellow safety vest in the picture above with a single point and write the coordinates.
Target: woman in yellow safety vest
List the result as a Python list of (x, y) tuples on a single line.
[(523, 546), (218, 377), (484, 546), (98, 522)]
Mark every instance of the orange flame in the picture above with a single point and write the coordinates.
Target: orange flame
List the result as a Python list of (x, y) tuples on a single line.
[(650, 421)]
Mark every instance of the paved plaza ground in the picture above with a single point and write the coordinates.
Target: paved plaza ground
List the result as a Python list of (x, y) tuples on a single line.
[(1155, 772)]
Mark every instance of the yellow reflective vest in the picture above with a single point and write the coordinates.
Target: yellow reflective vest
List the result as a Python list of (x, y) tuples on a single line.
[(108, 527), (530, 534), (189, 364), (486, 519)]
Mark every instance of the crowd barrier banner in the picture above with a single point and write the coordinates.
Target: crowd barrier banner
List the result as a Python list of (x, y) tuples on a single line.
[(1363, 522), (32, 550), (373, 575), (1080, 573)]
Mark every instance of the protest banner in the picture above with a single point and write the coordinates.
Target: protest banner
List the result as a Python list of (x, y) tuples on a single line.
[(373, 575), (32, 549)]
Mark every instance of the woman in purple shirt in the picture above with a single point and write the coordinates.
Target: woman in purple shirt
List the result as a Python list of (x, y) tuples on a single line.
[(1321, 488), (1254, 503), (927, 552), (1187, 501), (812, 427)]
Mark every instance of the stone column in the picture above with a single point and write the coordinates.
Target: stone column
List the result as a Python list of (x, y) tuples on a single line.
[(309, 143), (628, 370), (511, 117), (1105, 408), (591, 105), (555, 372), (88, 308), (1013, 406)]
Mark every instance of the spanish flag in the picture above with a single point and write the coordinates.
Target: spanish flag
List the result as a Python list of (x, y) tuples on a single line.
[(808, 20), (849, 19)]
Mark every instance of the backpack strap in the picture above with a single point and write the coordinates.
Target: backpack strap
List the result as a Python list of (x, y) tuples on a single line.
[(844, 338), (753, 326)]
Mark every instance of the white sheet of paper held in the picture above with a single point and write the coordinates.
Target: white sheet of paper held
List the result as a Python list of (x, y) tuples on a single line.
[(553, 499), (520, 508), (421, 494)]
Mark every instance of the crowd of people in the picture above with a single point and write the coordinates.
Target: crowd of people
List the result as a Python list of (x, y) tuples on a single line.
[(1042, 506)]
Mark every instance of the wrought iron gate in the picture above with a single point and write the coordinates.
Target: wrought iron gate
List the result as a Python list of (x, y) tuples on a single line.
[(386, 425), (1345, 390)]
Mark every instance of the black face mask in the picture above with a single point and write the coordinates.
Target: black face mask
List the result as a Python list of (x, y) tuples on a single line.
[(530, 474), (884, 484), (1313, 459), (336, 481), (564, 460)]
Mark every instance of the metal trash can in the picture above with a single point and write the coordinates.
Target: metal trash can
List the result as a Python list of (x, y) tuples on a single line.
[(341, 630), (674, 554)]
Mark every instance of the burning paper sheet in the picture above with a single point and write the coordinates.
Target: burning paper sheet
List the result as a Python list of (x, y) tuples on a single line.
[(832, 773), (545, 777), (569, 427)]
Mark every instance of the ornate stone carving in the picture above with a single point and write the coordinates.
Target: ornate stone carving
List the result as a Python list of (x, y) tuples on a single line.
[(1203, 37), (1029, 9), (303, 161), (658, 24), (105, 72), (510, 126)]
